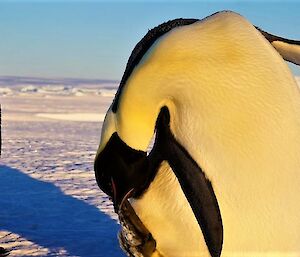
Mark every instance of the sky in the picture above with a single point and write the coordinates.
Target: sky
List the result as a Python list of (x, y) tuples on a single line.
[(93, 39)]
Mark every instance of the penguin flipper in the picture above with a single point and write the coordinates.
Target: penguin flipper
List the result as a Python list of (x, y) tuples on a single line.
[(287, 48)]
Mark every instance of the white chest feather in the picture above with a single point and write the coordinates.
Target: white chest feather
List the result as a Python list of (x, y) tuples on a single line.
[(166, 213)]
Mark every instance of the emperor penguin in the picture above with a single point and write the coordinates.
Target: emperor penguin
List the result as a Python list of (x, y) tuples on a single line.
[(223, 175)]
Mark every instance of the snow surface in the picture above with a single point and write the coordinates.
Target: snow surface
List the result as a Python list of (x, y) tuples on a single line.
[(50, 204), (92, 117)]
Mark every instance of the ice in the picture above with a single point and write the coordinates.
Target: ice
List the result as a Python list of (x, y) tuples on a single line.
[(91, 117), (50, 202), (63, 87), (5, 91), (108, 93), (29, 89)]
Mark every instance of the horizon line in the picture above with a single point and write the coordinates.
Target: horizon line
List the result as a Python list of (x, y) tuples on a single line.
[(57, 78)]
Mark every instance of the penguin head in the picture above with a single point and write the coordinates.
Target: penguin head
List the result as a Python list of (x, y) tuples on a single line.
[(121, 163), (118, 168), (123, 170), (201, 90)]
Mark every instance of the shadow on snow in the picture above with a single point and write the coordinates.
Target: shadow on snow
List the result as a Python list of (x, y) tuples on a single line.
[(42, 213)]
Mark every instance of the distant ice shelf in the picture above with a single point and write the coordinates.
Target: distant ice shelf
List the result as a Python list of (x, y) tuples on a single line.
[(86, 117)]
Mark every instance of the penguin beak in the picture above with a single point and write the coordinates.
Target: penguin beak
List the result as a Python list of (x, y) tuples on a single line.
[(119, 170)]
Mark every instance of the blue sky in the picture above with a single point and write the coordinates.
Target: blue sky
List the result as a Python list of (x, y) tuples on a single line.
[(94, 39)]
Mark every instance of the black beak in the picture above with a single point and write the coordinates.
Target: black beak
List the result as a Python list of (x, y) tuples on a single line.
[(120, 170)]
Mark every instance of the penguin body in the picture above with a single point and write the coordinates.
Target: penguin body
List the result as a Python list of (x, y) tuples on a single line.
[(230, 143)]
